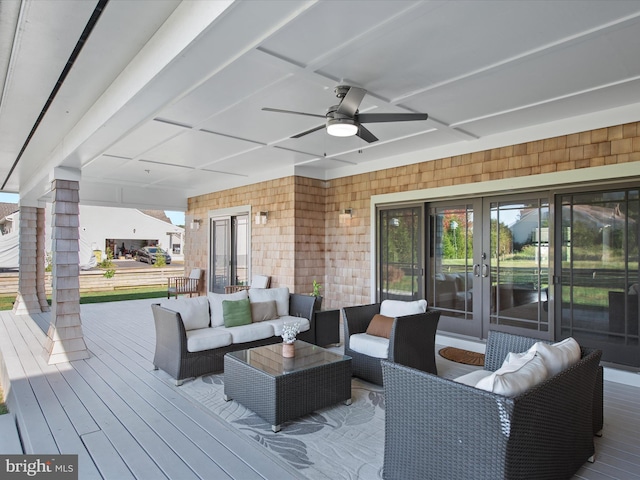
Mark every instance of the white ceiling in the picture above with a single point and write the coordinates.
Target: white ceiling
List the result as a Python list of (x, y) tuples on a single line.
[(164, 100)]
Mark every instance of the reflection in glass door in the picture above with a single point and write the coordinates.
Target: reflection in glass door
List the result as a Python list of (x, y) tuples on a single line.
[(518, 266), (401, 267), (453, 284), (598, 284)]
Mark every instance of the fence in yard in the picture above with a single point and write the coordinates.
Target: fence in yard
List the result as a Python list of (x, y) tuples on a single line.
[(94, 280)]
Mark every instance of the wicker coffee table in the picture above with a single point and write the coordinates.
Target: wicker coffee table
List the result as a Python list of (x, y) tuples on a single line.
[(279, 389)]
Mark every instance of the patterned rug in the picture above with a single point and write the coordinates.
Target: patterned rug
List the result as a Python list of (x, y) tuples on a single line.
[(462, 356), (338, 442)]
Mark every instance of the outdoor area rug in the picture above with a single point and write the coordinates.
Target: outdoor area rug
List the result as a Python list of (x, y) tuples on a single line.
[(337, 442), (462, 356)]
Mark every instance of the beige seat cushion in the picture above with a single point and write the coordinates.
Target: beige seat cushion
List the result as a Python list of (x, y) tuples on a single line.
[(377, 347), (206, 339), (278, 323), (249, 333)]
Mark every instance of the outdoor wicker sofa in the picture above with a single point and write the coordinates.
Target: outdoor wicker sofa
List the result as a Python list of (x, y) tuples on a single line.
[(438, 428), (411, 341), (173, 356)]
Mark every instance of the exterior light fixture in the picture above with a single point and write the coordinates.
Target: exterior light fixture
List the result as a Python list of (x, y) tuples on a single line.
[(261, 218), (341, 127), (345, 216), (195, 224)]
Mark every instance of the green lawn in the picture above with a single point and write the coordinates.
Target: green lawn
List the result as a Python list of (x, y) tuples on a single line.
[(3, 407), (6, 301)]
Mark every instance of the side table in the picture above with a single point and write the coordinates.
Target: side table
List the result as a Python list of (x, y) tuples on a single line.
[(327, 327)]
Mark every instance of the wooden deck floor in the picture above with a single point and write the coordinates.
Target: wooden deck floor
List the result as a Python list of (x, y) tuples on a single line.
[(124, 419)]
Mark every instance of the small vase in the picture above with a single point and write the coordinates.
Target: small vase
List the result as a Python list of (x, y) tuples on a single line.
[(288, 350)]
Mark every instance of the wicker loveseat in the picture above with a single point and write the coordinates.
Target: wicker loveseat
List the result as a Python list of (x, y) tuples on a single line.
[(411, 340), (179, 347), (438, 428)]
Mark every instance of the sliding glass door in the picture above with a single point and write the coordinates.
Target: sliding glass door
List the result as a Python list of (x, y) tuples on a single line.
[(598, 281), (516, 230), (523, 264)]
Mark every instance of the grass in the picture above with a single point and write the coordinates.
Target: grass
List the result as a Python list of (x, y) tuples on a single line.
[(6, 301), (3, 406)]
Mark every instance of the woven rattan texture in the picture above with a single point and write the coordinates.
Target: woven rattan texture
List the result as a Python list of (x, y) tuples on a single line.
[(436, 428), (172, 356), (412, 341), (280, 398)]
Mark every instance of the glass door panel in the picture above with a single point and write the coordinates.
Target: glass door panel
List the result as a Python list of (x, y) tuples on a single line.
[(401, 265), (517, 266), (221, 254), (453, 281), (599, 278)]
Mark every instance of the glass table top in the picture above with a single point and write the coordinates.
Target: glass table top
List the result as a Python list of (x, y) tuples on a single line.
[(269, 358)]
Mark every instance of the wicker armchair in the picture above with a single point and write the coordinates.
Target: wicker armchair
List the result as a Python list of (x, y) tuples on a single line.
[(412, 341), (437, 428), (185, 285)]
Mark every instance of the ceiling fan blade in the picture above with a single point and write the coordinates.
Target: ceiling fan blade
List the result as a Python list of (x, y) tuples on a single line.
[(366, 135), (277, 110), (351, 101), (307, 132), (390, 117)]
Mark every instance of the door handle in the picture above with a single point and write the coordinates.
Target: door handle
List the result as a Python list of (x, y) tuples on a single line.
[(476, 270), (485, 270)]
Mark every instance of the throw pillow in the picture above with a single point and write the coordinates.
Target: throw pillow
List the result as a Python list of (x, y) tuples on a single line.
[(516, 377), (380, 326), (193, 311), (556, 357), (280, 295), (215, 302), (398, 308), (236, 312), (261, 311)]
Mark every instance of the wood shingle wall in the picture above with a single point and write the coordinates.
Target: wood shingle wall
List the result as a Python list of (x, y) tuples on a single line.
[(303, 240)]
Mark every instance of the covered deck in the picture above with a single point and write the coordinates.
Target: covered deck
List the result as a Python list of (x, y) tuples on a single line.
[(125, 420)]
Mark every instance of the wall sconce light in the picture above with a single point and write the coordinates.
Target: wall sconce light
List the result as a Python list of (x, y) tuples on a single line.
[(345, 216), (261, 218), (195, 224)]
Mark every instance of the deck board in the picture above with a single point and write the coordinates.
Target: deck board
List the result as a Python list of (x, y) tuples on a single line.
[(128, 421)]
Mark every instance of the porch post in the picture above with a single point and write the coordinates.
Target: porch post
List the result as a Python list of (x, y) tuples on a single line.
[(27, 300), (40, 261), (65, 340)]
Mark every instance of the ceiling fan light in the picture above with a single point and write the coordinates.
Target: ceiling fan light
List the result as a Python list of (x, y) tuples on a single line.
[(342, 127)]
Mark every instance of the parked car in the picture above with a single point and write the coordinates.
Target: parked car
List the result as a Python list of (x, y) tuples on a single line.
[(148, 255)]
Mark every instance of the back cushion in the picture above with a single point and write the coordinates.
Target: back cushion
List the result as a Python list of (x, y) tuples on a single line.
[(215, 302), (556, 357), (516, 377), (398, 308), (280, 295), (194, 311)]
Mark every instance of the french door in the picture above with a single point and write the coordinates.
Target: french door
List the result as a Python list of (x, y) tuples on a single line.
[(489, 265), (229, 252)]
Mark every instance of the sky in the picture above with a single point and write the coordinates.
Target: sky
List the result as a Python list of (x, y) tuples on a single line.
[(177, 218)]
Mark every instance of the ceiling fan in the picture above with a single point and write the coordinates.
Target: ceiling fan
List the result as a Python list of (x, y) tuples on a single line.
[(343, 120)]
